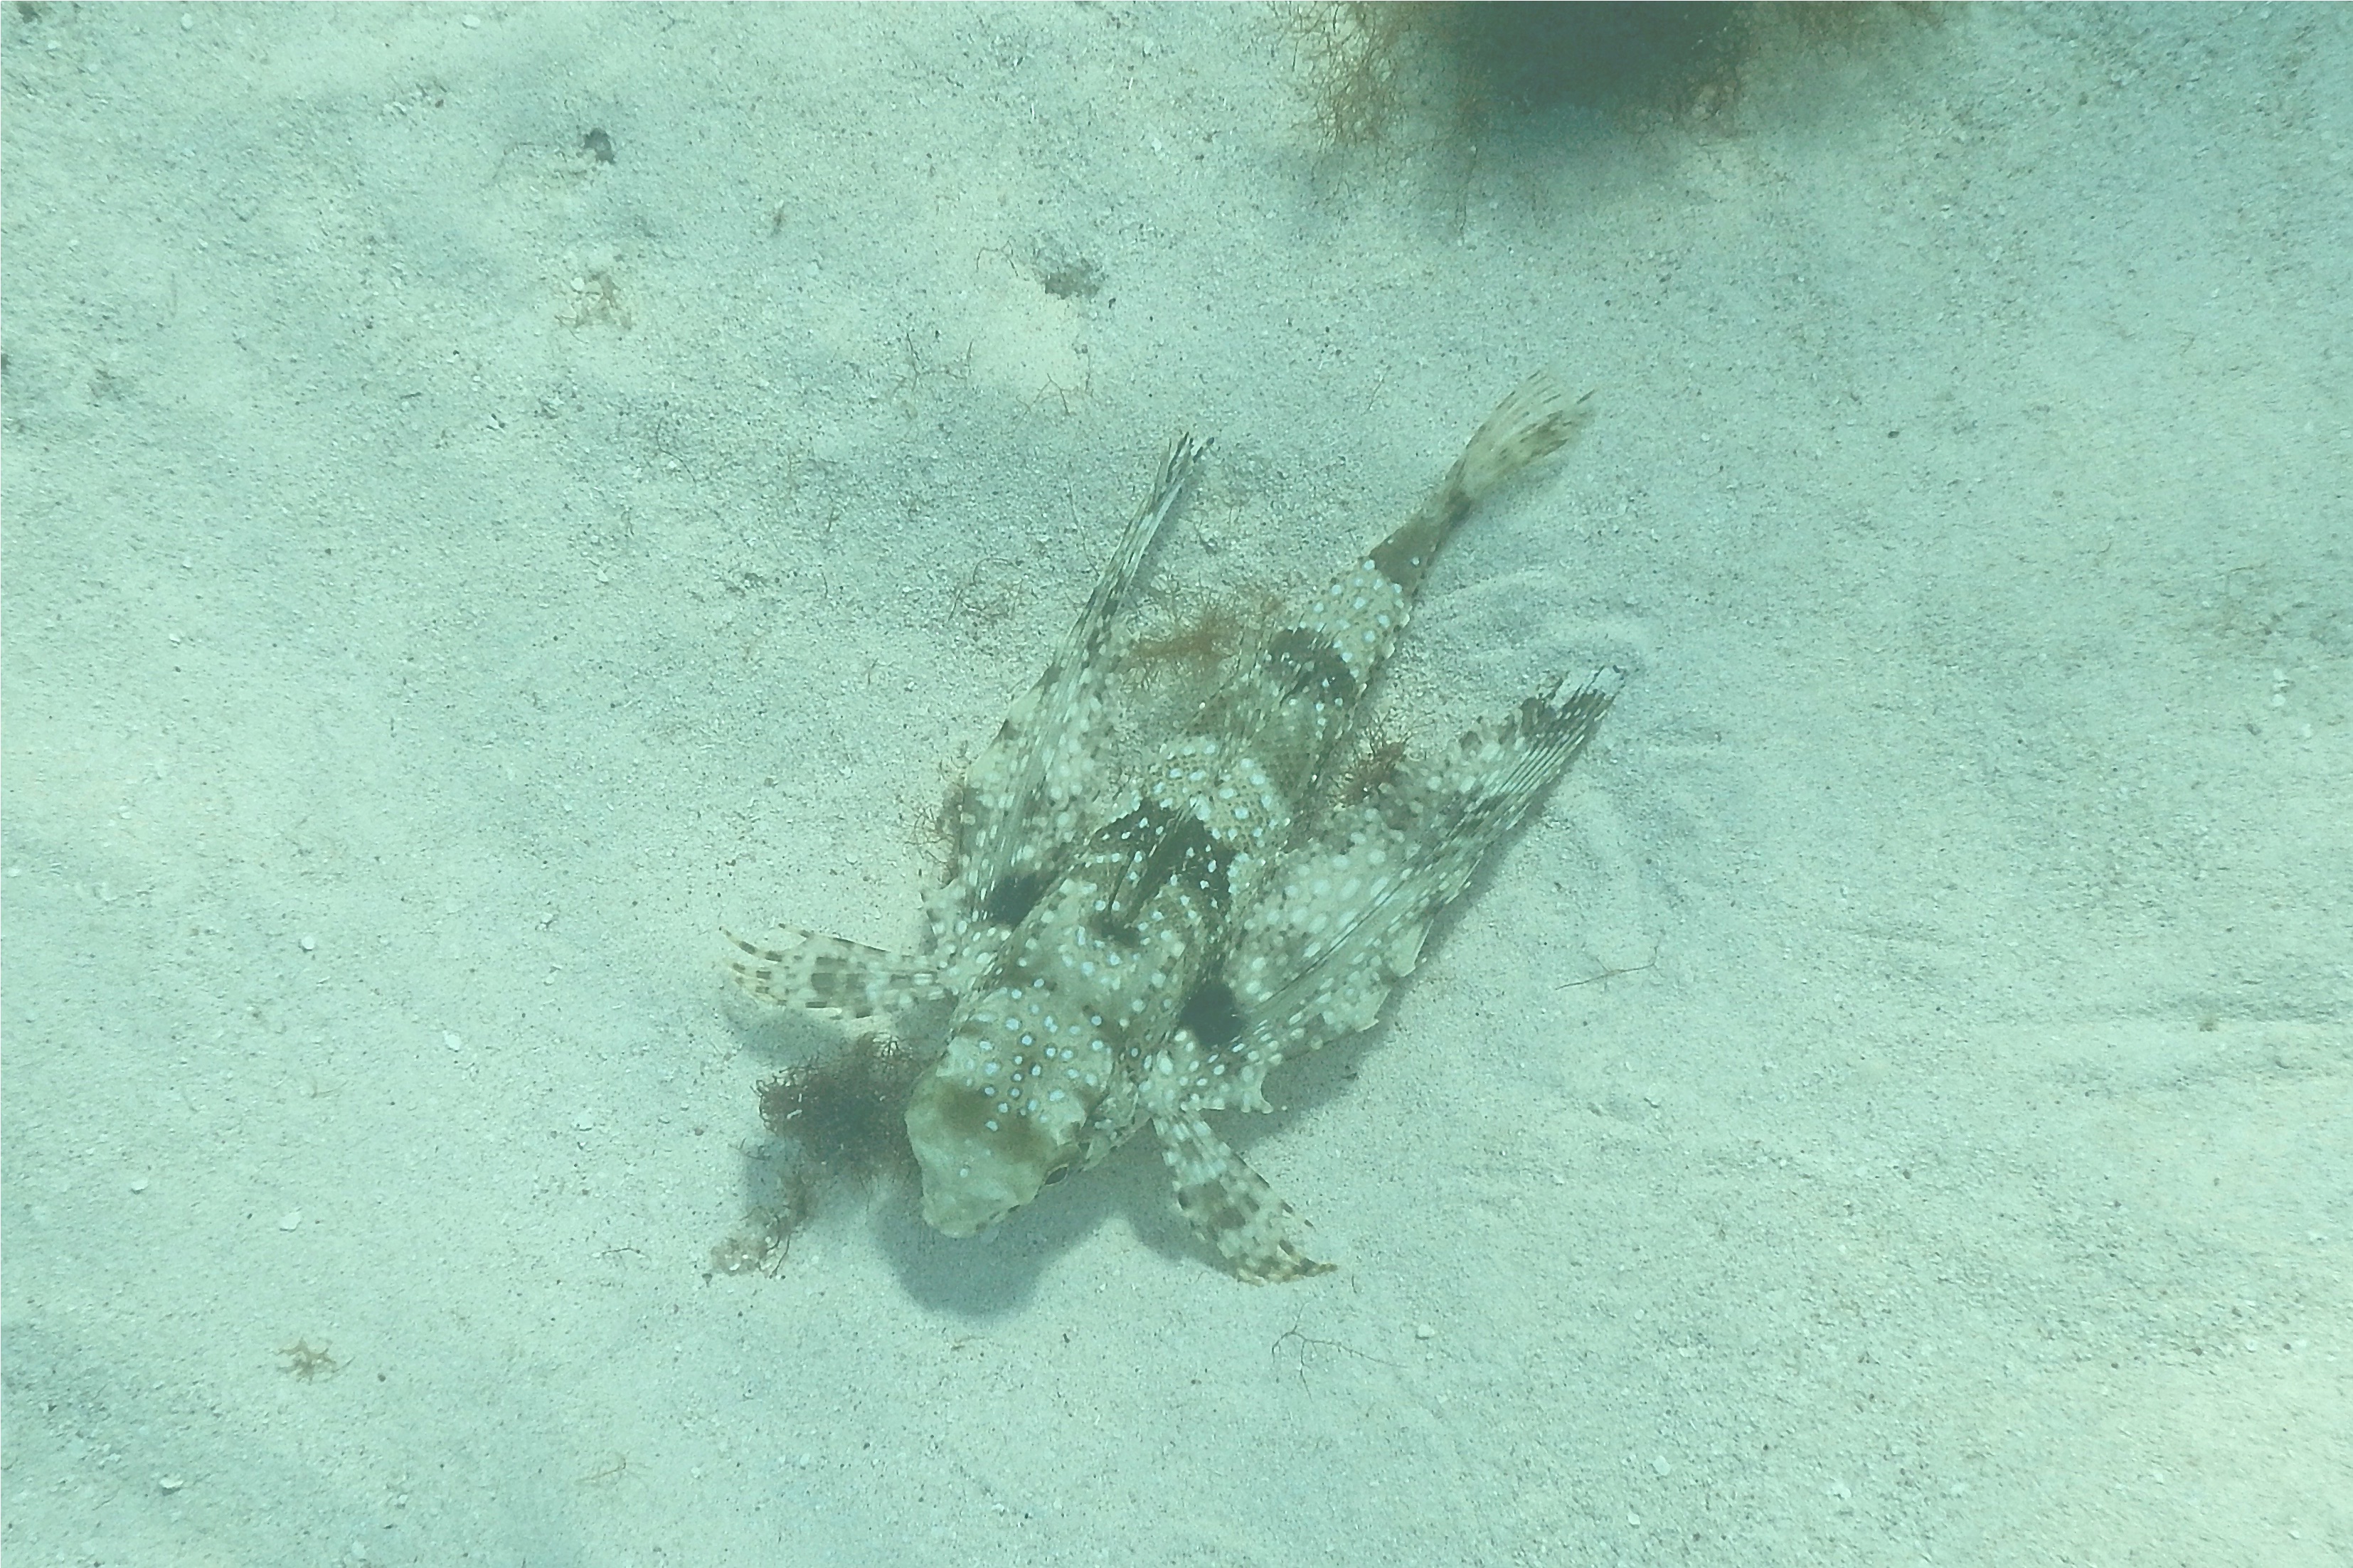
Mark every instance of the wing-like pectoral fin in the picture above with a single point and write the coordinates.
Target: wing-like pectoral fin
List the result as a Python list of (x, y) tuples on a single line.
[(827, 974), (1026, 798), (1316, 960), (1231, 1205)]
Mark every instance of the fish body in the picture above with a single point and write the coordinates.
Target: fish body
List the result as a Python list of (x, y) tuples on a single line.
[(1133, 952)]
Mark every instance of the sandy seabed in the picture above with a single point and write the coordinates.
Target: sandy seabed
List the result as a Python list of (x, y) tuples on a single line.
[(492, 496)]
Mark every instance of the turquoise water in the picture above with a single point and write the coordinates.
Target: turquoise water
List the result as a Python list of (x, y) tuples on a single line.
[(490, 498)]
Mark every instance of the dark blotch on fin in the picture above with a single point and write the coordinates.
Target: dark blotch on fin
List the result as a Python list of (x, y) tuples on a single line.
[(1300, 662), (1210, 1012), (1008, 903)]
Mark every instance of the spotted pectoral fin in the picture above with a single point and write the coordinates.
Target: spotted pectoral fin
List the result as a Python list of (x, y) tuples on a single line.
[(1317, 961), (1231, 1205), (1026, 800), (826, 973)]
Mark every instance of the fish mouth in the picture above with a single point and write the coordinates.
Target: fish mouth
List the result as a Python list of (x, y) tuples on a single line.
[(958, 1213), (974, 1174)]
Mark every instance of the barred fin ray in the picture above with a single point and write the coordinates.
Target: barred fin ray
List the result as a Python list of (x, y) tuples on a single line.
[(1230, 1205), (829, 975)]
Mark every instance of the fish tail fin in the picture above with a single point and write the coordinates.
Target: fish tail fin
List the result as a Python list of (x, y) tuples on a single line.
[(1538, 419)]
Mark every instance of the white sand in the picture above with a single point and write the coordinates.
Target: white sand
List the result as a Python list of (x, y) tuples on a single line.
[(449, 577)]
